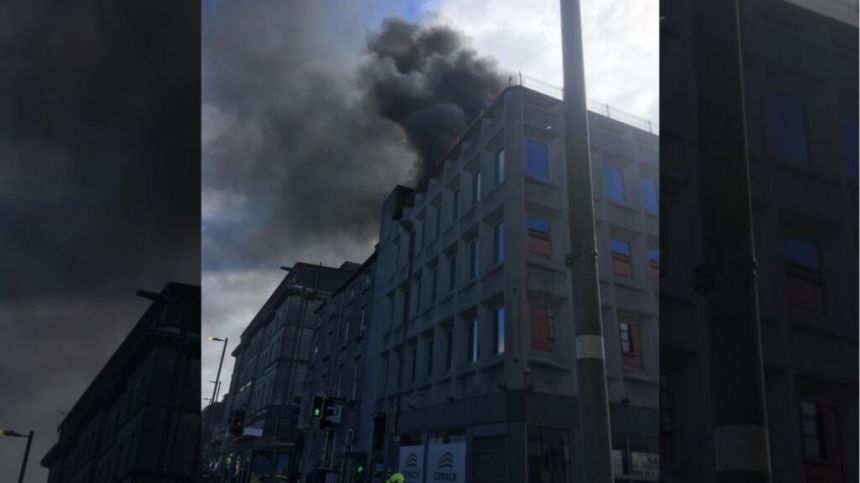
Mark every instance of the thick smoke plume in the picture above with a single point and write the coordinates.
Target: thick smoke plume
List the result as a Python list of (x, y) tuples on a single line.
[(303, 140)]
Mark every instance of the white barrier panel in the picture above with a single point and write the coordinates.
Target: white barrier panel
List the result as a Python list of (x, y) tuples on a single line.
[(446, 463), (412, 463)]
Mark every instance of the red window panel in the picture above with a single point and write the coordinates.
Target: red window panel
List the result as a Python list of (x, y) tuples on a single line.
[(655, 273), (542, 336), (631, 353), (621, 266), (539, 244), (803, 289)]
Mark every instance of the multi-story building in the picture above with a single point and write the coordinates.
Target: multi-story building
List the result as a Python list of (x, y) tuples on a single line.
[(269, 371), (139, 420), (800, 81), (469, 361), (337, 371)]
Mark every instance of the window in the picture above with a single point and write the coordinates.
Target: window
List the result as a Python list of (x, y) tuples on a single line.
[(367, 280), (474, 262), (455, 206), (648, 193), (539, 240), (621, 262), (356, 377), (430, 356), (452, 273), (788, 129), (421, 225), (434, 280), (392, 304), (413, 351), (613, 184), (848, 147), (814, 447), (542, 328), (803, 275), (654, 264), (499, 330), (418, 294), (548, 454), (438, 220), (499, 243), (346, 331), (396, 253), (449, 349), (472, 350), (500, 166), (537, 160), (476, 186), (362, 328), (631, 355)]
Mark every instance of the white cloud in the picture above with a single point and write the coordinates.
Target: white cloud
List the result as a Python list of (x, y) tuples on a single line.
[(621, 44)]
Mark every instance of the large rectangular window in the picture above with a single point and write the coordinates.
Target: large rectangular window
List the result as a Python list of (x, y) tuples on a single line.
[(413, 364), (654, 265), (648, 195), (434, 280), (788, 129), (848, 146), (539, 239), (472, 349), (499, 243), (613, 184), (430, 349), (500, 166), (548, 454), (629, 338), (438, 220), (622, 264), (476, 186), (362, 327), (474, 259), (537, 159), (812, 421), (499, 330), (542, 328), (455, 206), (449, 348), (452, 273), (803, 275), (418, 294)]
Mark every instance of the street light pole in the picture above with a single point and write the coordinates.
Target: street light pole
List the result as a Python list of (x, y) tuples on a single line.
[(221, 363), (29, 437)]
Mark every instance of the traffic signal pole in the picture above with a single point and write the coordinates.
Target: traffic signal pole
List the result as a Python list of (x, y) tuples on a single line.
[(582, 260), (29, 437)]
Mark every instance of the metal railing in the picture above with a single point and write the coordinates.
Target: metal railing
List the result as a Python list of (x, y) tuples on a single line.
[(598, 107)]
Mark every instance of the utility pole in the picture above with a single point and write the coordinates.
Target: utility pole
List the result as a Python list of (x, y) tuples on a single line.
[(220, 364), (582, 260), (727, 278)]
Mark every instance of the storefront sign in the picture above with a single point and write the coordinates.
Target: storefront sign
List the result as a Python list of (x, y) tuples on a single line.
[(645, 464), (446, 463), (412, 463)]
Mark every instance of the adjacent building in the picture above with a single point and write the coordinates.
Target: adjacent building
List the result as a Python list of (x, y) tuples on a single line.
[(266, 386), (800, 61), (451, 352), (139, 420)]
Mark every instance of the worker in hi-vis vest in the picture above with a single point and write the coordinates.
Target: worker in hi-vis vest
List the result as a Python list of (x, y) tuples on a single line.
[(396, 477)]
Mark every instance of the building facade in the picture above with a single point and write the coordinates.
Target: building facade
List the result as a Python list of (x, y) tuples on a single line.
[(800, 85), (139, 420), (469, 364), (266, 385)]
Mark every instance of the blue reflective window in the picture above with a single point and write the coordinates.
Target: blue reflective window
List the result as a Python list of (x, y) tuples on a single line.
[(500, 166), (620, 246), (654, 255), (799, 252), (499, 254), (848, 147), (648, 193), (788, 129), (537, 159), (613, 183), (538, 224)]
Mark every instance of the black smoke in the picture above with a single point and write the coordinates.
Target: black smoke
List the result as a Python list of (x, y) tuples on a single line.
[(305, 135), (427, 80)]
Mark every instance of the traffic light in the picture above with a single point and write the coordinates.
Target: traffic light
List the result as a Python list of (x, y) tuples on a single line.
[(330, 413), (237, 422), (316, 409)]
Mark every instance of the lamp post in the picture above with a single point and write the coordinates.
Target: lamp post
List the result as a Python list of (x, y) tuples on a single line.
[(220, 363), (29, 437)]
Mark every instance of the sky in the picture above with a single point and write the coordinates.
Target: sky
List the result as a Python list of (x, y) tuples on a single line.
[(298, 152), (99, 193)]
